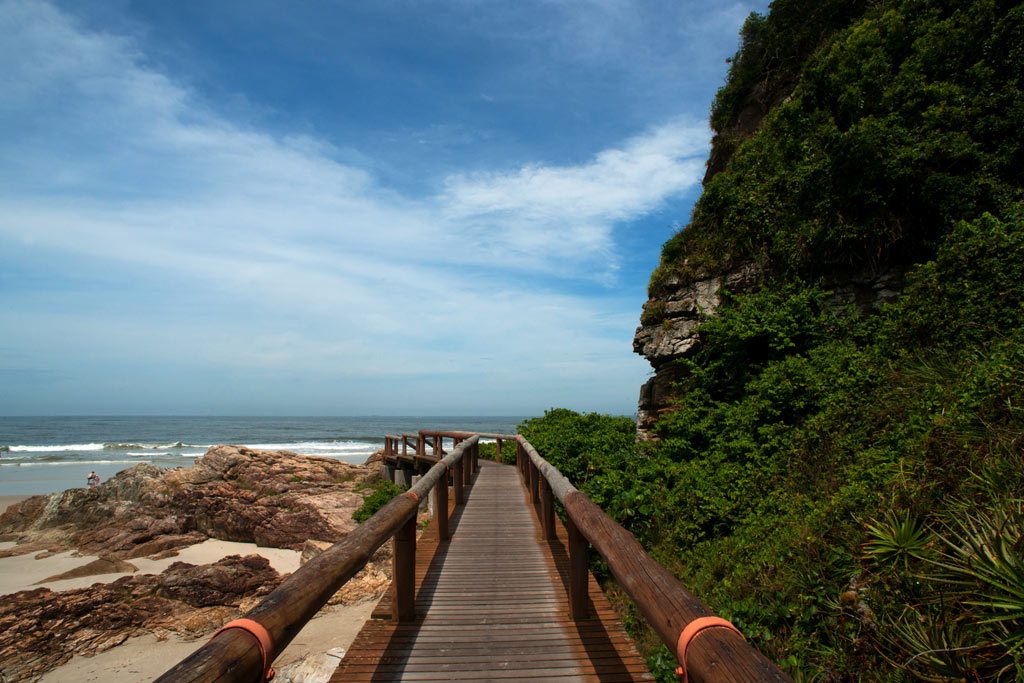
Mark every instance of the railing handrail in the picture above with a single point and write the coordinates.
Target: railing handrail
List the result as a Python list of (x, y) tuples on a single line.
[(722, 654), (232, 655)]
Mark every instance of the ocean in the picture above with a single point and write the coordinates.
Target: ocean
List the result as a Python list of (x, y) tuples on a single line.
[(49, 454)]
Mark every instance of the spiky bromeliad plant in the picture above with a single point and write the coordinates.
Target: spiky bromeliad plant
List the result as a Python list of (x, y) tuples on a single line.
[(970, 624)]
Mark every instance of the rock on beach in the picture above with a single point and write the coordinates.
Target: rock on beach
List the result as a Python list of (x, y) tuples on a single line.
[(276, 499)]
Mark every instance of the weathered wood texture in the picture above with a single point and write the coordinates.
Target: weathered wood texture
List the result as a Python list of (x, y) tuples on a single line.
[(491, 605), (718, 654), (235, 655)]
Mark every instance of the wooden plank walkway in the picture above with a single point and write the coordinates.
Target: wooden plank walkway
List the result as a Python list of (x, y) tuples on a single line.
[(491, 605)]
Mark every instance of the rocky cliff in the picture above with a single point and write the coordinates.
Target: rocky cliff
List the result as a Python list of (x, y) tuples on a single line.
[(670, 323)]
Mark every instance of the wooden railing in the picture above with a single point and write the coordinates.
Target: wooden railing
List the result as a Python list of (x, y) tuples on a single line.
[(244, 653), (720, 654), (413, 448)]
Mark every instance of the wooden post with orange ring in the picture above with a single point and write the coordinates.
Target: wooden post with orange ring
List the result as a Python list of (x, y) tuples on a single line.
[(263, 640), (690, 633)]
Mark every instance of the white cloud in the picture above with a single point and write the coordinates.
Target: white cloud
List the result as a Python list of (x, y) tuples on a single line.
[(106, 157), (554, 213)]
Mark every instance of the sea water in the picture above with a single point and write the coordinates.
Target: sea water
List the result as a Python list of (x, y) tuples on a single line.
[(48, 454)]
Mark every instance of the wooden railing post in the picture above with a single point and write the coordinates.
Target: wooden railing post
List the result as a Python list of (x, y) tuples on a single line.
[(441, 507), (457, 480), (404, 570), (467, 470), (577, 573), (547, 510), (534, 485), (437, 446)]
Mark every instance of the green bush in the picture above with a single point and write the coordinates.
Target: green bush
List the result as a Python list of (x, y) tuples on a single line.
[(375, 496), (508, 451), (906, 121)]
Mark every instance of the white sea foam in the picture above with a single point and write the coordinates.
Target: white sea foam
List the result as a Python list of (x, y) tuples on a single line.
[(64, 463), (322, 448), (56, 449)]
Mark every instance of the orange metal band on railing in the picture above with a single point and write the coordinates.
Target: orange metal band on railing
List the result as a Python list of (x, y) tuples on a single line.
[(411, 493), (263, 639), (692, 630)]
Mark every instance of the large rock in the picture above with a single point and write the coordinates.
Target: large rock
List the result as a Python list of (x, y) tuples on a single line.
[(41, 629), (277, 499)]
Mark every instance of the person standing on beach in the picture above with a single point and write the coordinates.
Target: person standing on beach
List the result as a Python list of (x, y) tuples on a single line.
[(93, 479)]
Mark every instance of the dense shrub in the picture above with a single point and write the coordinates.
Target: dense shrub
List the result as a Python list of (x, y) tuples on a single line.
[(847, 489), (905, 122), (375, 496)]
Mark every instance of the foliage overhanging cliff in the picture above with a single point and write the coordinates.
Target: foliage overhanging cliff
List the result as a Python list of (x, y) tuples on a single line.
[(842, 477)]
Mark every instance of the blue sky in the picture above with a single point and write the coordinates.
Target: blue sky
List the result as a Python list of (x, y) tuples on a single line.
[(396, 207)]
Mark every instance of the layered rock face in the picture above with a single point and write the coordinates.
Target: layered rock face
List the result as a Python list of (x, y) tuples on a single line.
[(669, 331), (276, 499), (670, 322), (41, 629)]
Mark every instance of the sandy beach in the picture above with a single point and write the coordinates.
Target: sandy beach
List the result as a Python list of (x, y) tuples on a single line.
[(6, 501), (145, 658), (326, 636)]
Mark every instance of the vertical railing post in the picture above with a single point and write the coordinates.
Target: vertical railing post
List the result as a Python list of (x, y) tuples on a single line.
[(441, 507), (534, 485), (467, 468), (547, 510), (460, 497), (476, 457), (404, 570), (437, 446), (577, 573)]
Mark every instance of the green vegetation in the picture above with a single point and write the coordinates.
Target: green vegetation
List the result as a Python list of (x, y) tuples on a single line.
[(508, 452), (378, 494), (847, 488), (905, 121)]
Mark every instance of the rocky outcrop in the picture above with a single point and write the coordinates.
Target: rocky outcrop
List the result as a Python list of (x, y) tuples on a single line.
[(41, 629), (277, 499), (670, 322), (668, 331)]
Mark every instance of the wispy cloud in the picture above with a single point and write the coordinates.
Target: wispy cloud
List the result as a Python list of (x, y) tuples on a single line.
[(106, 157)]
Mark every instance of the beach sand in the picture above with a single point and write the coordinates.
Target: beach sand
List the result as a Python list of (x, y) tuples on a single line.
[(146, 657), (23, 572), (5, 501)]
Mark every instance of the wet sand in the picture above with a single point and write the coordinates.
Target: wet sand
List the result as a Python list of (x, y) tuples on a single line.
[(6, 501)]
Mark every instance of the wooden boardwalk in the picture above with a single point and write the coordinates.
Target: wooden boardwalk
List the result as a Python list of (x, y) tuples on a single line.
[(491, 605)]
